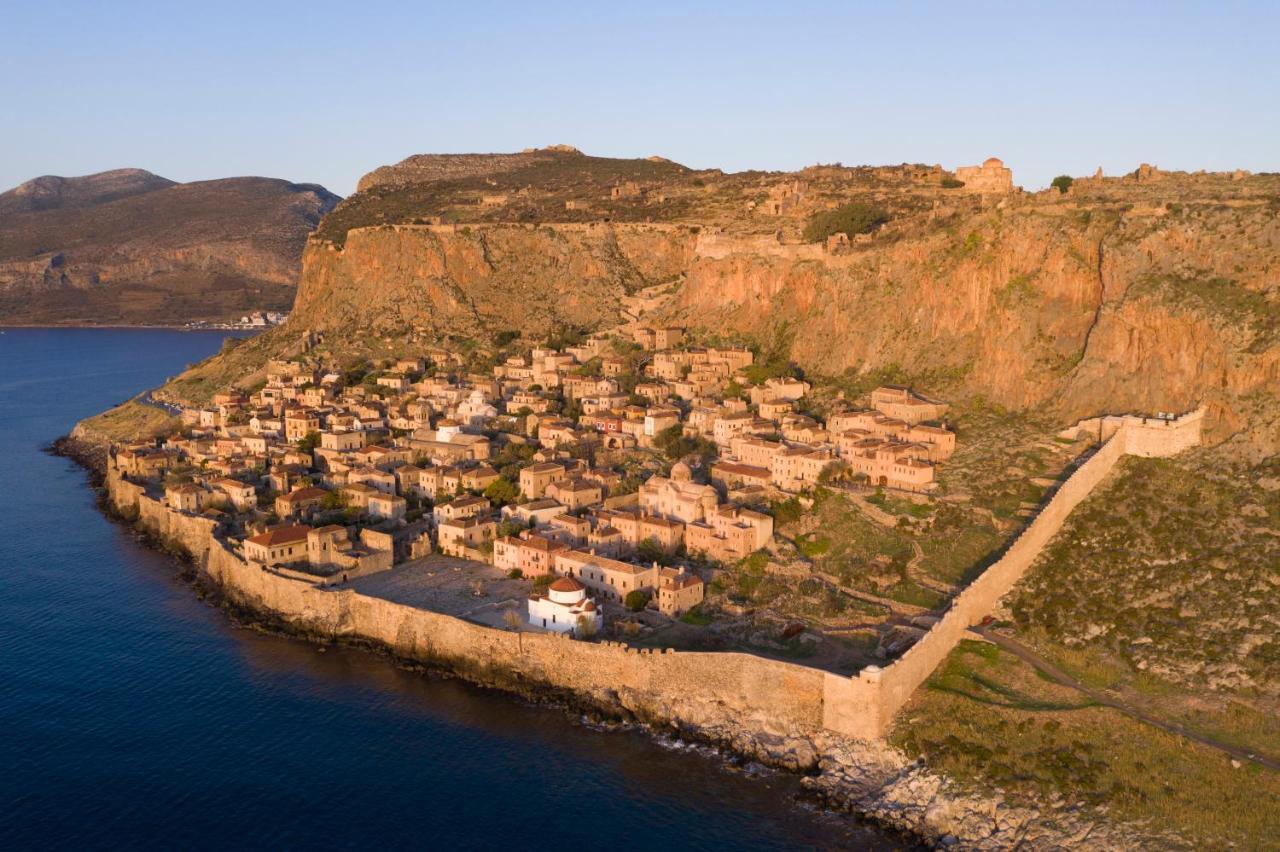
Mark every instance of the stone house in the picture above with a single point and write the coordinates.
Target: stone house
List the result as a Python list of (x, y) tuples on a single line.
[(678, 591), (387, 506), (530, 554), (797, 468), (575, 493), (607, 577), (186, 498), (300, 502), (463, 507), (536, 512), (729, 534), (464, 537), (902, 403), (535, 478), (242, 495), (729, 475), (278, 546)]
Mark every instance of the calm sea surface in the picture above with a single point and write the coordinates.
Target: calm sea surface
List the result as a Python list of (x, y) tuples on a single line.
[(134, 716)]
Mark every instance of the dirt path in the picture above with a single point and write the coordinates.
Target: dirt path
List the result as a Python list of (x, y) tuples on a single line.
[(1033, 659), (922, 579)]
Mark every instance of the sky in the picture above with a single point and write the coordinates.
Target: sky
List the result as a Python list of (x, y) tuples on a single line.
[(324, 92)]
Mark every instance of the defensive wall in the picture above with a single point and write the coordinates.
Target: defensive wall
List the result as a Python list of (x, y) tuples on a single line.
[(717, 690), (864, 706), (742, 692)]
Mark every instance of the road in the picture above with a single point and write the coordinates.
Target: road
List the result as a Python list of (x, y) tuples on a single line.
[(1030, 657)]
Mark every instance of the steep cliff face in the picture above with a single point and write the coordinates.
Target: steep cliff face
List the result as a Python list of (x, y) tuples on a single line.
[(1151, 292), (131, 247), (475, 282), (1080, 311)]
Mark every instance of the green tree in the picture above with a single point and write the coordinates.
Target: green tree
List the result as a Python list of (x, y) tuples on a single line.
[(1062, 182), (837, 470), (502, 491), (636, 600), (309, 442), (851, 219)]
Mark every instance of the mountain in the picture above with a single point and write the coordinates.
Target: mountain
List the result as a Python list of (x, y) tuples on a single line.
[(130, 247)]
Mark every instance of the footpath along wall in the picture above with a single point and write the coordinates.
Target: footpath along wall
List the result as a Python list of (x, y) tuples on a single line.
[(742, 693), (864, 706)]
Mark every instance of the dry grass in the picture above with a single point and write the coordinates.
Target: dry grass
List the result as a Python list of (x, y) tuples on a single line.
[(985, 717)]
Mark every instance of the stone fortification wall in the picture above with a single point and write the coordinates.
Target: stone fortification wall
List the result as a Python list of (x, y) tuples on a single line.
[(864, 706), (718, 246), (716, 690), (741, 692)]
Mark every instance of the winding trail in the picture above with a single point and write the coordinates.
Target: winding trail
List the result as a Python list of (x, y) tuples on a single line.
[(1033, 659)]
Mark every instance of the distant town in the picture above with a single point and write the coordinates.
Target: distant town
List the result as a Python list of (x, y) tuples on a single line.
[(258, 320)]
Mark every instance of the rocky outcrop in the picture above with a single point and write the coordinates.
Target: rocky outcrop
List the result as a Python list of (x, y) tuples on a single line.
[(129, 247), (471, 282), (1035, 306)]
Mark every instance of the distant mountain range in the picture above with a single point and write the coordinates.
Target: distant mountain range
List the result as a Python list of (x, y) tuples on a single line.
[(130, 247)]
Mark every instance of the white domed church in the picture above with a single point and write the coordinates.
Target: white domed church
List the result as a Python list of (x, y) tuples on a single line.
[(565, 608)]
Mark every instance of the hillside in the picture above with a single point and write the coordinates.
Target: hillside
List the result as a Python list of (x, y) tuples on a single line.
[(1147, 292), (130, 247)]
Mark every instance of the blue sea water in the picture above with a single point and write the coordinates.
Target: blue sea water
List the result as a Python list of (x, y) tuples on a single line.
[(135, 716)]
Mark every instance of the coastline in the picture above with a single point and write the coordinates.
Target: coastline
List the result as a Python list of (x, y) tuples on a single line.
[(122, 326), (872, 782)]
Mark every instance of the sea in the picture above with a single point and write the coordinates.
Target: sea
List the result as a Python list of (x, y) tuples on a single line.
[(134, 715)]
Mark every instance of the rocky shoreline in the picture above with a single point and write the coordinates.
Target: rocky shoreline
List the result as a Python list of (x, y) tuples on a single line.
[(872, 782)]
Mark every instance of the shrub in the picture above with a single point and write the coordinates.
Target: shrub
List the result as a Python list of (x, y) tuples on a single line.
[(952, 183), (851, 219), (636, 600), (1062, 182)]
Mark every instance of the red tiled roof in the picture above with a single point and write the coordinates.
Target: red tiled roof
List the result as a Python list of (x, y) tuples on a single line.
[(282, 535)]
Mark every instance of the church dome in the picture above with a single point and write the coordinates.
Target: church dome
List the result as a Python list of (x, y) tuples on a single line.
[(681, 472), (567, 590), (993, 163)]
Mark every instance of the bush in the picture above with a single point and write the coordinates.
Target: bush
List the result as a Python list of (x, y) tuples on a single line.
[(851, 219), (952, 183), (636, 600), (514, 574), (1062, 182)]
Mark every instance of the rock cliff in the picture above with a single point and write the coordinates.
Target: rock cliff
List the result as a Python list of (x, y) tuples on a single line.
[(130, 247), (1124, 294)]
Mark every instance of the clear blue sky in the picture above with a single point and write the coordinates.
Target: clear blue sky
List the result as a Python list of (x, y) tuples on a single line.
[(325, 92)]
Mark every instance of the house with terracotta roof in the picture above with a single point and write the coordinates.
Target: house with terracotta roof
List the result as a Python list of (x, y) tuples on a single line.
[(241, 494), (278, 546), (609, 578), (300, 502), (465, 537), (679, 591), (530, 554), (575, 493), (186, 498)]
